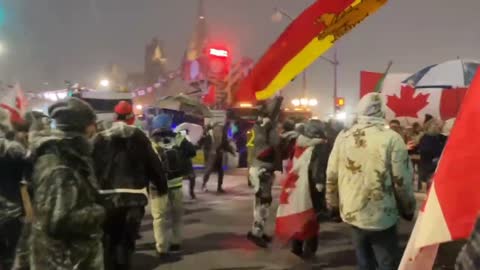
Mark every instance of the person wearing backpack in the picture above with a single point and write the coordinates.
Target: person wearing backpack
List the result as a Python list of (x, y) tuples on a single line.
[(125, 163), (173, 148)]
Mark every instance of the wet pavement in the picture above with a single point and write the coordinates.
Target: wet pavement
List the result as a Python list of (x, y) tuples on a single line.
[(215, 237)]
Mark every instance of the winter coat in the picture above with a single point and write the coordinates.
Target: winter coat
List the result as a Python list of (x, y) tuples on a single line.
[(13, 166), (215, 144), (125, 162), (317, 175), (67, 228), (430, 149), (317, 168), (369, 176), (266, 151), (169, 140)]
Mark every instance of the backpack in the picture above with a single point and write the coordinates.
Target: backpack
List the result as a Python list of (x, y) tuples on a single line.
[(171, 157)]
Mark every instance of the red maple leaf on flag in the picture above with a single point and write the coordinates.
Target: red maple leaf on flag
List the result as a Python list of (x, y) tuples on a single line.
[(407, 104), (288, 185)]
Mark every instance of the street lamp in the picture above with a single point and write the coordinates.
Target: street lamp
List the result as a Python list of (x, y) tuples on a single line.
[(104, 83), (278, 17), (304, 102), (296, 102)]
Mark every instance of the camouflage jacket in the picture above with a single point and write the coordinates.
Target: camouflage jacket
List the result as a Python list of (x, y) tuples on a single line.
[(13, 166), (266, 146), (369, 177), (67, 228), (469, 256)]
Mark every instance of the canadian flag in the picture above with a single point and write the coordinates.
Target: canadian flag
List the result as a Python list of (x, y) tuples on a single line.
[(453, 204), (409, 104), (295, 215), (14, 101)]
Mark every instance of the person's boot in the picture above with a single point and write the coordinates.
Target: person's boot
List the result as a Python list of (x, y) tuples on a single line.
[(166, 257), (259, 241), (175, 248), (267, 238), (297, 248), (311, 246)]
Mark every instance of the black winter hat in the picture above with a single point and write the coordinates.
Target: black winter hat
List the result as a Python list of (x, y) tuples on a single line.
[(72, 114)]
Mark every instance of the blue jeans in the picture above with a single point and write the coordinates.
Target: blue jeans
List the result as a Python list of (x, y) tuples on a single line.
[(376, 249)]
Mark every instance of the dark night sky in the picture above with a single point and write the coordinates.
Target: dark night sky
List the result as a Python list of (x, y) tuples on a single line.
[(53, 40)]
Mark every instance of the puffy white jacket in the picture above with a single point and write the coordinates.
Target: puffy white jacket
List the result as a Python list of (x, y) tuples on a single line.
[(369, 176)]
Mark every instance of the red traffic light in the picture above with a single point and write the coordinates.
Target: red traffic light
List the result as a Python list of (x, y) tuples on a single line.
[(218, 52), (340, 102)]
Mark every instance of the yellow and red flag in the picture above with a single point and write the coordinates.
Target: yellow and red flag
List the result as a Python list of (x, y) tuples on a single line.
[(307, 38)]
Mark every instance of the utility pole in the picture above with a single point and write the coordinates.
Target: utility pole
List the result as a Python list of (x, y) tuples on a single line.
[(335, 80), (304, 84)]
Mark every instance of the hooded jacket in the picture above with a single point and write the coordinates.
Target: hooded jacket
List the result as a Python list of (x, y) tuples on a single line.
[(67, 228), (369, 175), (125, 159), (169, 140)]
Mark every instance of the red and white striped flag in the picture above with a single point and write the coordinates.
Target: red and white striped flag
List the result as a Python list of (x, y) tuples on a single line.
[(295, 215), (453, 203)]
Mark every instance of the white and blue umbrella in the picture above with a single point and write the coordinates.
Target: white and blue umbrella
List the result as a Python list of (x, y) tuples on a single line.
[(451, 74)]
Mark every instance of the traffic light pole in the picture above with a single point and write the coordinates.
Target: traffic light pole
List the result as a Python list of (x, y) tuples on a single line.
[(334, 62), (335, 78)]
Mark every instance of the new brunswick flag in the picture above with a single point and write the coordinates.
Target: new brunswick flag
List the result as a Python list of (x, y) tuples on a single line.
[(307, 38)]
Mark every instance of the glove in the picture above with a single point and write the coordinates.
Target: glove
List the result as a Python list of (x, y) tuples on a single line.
[(265, 121), (319, 187), (408, 217)]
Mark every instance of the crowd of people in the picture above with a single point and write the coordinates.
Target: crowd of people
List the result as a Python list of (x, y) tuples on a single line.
[(73, 195), (425, 144)]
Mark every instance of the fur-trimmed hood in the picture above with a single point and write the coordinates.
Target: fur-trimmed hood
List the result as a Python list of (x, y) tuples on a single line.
[(40, 140), (304, 141), (119, 129)]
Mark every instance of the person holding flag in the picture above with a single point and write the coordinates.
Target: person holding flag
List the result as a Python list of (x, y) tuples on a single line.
[(369, 180), (302, 200)]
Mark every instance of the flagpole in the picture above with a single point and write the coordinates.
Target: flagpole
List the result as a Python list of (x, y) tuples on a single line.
[(378, 87)]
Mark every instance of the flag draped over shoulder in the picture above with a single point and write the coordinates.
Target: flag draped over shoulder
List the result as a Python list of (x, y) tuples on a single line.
[(453, 203), (307, 38), (295, 215)]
